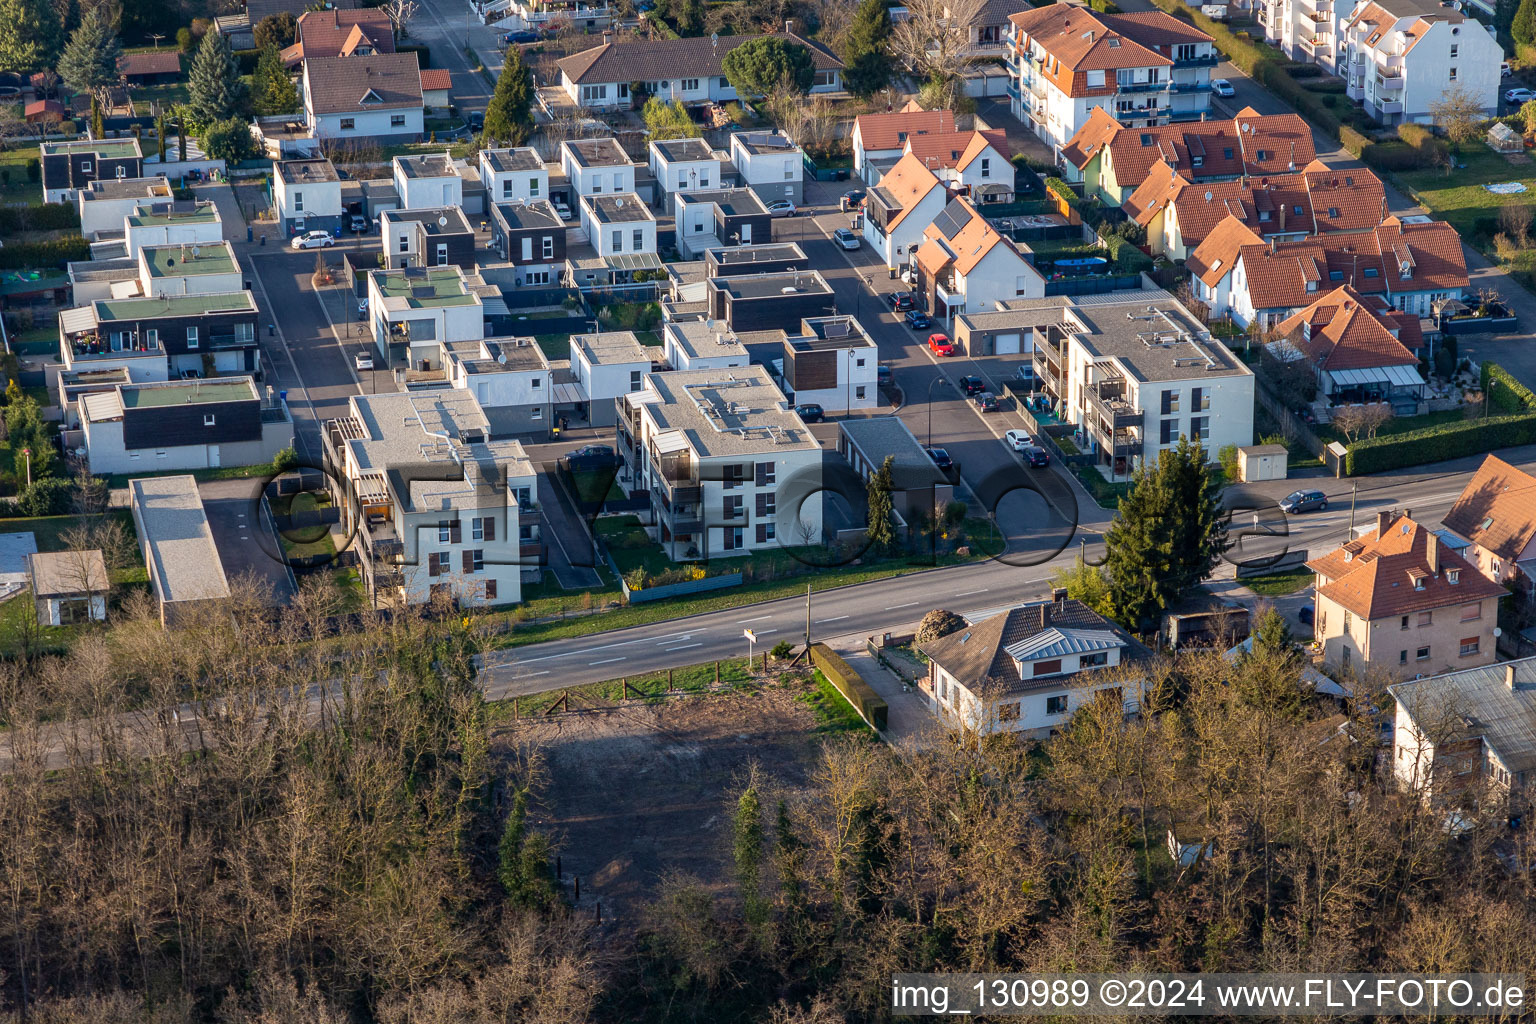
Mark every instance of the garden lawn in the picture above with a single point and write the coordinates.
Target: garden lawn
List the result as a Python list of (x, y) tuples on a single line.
[(1459, 197), (1277, 584), (15, 187), (833, 712)]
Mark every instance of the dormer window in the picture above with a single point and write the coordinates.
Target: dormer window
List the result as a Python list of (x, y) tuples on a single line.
[(1453, 576), (1349, 556), (1418, 583)]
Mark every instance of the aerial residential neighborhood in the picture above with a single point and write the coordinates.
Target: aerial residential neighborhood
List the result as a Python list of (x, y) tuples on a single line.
[(658, 511)]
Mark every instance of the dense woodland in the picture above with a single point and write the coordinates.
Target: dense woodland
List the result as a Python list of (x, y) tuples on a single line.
[(368, 855)]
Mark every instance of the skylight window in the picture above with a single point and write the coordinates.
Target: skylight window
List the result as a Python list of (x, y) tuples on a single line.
[(1485, 523), (1333, 211), (1335, 275), (1372, 272)]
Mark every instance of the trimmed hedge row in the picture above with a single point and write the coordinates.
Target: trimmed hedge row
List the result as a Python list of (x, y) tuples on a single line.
[(869, 704), (1062, 190), (1437, 443), (37, 255), (38, 217), (1508, 394)]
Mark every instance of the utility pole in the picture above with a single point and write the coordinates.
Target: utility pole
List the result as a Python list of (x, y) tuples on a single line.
[(807, 619), (1354, 493)]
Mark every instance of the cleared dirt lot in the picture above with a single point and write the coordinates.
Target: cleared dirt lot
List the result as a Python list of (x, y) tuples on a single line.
[(635, 793)]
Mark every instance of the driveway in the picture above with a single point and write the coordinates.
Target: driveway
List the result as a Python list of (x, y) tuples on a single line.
[(242, 531)]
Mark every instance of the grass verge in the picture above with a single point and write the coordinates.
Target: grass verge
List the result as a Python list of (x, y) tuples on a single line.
[(1278, 584), (655, 686), (834, 715)]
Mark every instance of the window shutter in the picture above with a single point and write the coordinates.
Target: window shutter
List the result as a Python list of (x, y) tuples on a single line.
[(490, 590), (762, 510), (762, 533), (762, 475), (490, 528), (434, 567), (725, 508), (469, 561), (455, 532)]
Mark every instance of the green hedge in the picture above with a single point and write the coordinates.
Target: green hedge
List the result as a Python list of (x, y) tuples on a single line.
[(1353, 142), (1060, 188), (1437, 443), (851, 685), (1508, 394), (38, 217), (37, 255)]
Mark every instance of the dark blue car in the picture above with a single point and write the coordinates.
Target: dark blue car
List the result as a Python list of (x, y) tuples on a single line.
[(918, 320), (520, 37)]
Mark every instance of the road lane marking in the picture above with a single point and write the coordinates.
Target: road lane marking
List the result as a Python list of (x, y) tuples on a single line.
[(607, 661), (764, 632), (968, 593), (663, 643), (593, 650), (682, 648), (760, 618), (835, 618), (909, 604)]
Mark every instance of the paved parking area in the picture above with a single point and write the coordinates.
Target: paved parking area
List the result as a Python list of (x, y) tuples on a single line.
[(243, 533)]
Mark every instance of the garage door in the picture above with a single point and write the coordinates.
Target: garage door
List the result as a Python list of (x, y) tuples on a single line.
[(1007, 344)]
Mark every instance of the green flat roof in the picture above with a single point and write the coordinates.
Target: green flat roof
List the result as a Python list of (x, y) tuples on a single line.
[(197, 392), (175, 305), (201, 215), (102, 147), (178, 261), (437, 287)]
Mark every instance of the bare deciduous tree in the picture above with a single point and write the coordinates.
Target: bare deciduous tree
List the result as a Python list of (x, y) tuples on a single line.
[(935, 40), (400, 13)]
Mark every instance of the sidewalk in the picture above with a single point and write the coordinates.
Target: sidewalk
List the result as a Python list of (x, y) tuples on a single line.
[(909, 717)]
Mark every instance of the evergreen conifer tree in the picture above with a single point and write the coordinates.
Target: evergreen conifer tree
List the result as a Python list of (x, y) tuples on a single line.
[(214, 89), (509, 116)]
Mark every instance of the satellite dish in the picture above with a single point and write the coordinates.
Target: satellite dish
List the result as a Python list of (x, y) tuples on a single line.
[(195, 250), (442, 222), (1497, 632), (714, 37)]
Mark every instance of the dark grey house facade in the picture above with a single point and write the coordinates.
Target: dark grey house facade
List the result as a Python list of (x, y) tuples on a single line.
[(769, 258), (765, 301), (530, 236), (436, 237)]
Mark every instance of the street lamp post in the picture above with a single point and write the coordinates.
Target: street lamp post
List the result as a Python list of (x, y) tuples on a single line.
[(940, 379), (1488, 398)]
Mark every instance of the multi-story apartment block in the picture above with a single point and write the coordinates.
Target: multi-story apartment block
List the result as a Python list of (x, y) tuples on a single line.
[(720, 452), (159, 338), (1065, 60), (440, 508), (512, 174), (1137, 372), (1399, 600), (832, 361), (604, 367), (412, 311), (1402, 56)]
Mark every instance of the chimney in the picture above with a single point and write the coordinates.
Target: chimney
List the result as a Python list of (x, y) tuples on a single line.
[(1059, 596), (1509, 675), (1383, 522), (1432, 551)]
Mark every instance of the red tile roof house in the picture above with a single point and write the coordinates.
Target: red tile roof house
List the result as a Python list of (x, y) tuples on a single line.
[(336, 33), (436, 88), (1111, 159), (879, 140), (376, 98), (1178, 213), (974, 163), (899, 209), (1363, 350), (1398, 599), (687, 70), (1410, 265), (1496, 515)]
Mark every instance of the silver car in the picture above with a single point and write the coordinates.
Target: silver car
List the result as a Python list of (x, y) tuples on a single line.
[(845, 238), (781, 208)]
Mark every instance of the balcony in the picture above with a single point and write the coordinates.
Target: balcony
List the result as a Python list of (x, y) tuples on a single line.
[(1113, 410), (1198, 62), (1389, 83), (1120, 444), (1047, 364), (380, 540), (1390, 106), (1141, 86), (94, 345), (1014, 92), (1188, 87)]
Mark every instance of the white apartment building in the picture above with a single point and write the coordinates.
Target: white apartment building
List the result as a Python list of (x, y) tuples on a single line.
[(1136, 372), (1401, 56), (438, 506), (597, 167), (833, 362), (1145, 69), (702, 345), (728, 463), (189, 270), (105, 202), (770, 165), (510, 379), (684, 165), (606, 366), (512, 174), (530, 15), (171, 224), (427, 181), (307, 194), (620, 226), (414, 310)]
